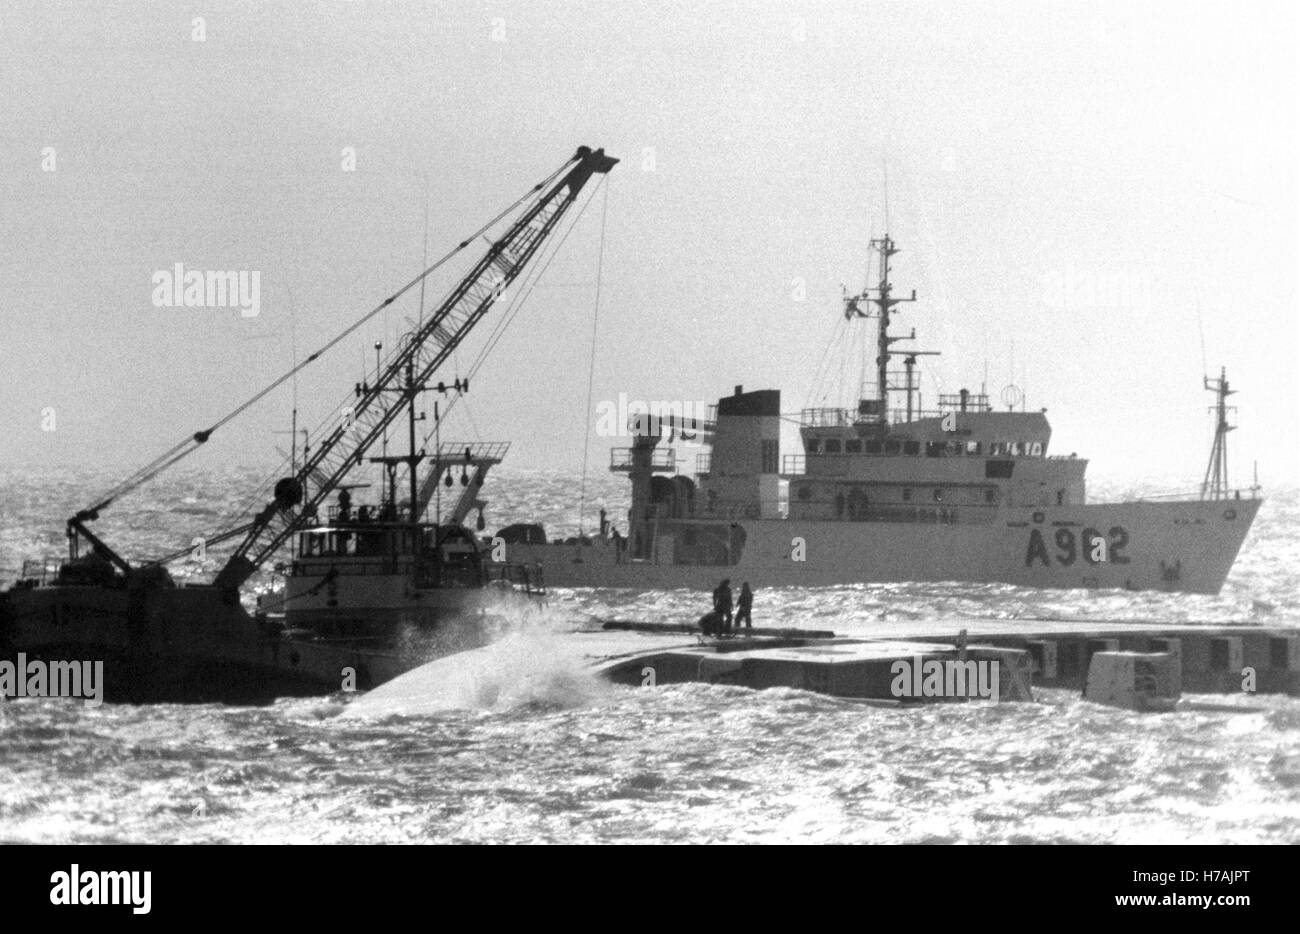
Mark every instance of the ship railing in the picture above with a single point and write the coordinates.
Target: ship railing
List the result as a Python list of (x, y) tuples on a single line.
[(827, 418), (903, 417), (41, 572), (661, 459), (1180, 495), (453, 452), (1196, 496), (526, 577), (975, 402), (848, 418), (375, 514)]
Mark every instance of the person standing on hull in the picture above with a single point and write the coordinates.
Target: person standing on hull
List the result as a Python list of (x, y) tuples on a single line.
[(722, 605), (743, 604)]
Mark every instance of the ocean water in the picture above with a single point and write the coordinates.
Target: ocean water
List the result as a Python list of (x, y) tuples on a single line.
[(519, 743)]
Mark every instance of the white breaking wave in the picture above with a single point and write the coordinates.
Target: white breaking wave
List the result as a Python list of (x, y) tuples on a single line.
[(530, 663)]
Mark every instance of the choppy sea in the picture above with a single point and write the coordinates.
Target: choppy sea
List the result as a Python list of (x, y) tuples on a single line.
[(525, 746)]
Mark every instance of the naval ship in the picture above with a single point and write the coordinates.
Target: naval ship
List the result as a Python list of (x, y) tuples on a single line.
[(884, 492)]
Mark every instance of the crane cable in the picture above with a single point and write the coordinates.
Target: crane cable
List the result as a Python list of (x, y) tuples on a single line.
[(529, 284), (591, 365)]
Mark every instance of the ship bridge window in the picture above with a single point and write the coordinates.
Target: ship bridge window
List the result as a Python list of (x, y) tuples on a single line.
[(892, 447), (832, 446), (813, 445), (874, 447), (957, 448), (938, 495), (936, 448), (911, 447), (991, 495), (907, 494), (322, 544), (999, 470), (853, 447), (974, 447)]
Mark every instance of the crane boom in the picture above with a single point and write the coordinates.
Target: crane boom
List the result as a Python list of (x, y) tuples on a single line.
[(417, 356)]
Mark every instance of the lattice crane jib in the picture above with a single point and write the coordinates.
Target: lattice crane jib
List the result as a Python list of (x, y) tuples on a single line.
[(415, 359)]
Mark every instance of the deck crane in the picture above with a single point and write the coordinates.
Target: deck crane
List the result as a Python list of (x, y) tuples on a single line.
[(420, 353), (407, 367)]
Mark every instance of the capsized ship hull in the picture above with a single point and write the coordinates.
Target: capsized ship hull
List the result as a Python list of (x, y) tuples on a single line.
[(1186, 546)]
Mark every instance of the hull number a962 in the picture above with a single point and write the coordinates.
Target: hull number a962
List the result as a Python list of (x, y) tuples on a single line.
[(1084, 547)]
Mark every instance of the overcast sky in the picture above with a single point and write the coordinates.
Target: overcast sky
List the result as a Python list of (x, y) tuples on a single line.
[(1080, 190)]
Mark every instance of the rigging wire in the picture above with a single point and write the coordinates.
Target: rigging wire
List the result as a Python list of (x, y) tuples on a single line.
[(518, 303), (591, 366), (531, 279), (1200, 326), (819, 372)]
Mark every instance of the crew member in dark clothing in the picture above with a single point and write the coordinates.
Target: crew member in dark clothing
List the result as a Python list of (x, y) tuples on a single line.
[(722, 604), (743, 604)]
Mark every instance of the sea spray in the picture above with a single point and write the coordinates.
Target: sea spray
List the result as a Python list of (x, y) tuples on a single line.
[(532, 662)]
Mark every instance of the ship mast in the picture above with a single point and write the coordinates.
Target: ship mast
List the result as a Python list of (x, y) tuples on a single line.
[(884, 301), (1215, 484)]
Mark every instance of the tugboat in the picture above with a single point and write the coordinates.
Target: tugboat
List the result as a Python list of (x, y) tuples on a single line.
[(883, 492), (369, 591)]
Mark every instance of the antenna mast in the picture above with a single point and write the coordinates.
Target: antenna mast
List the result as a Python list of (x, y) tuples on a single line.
[(1215, 484), (882, 297)]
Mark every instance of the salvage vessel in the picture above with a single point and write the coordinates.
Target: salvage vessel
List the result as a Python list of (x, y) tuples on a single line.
[(368, 590)]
